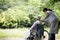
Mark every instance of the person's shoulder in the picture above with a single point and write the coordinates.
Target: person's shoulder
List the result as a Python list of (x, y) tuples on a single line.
[(49, 12), (36, 22)]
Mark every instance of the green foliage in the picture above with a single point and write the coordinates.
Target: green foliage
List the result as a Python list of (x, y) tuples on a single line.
[(57, 9), (21, 13)]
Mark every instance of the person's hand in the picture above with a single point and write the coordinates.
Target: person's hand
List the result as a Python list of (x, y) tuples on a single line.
[(42, 22)]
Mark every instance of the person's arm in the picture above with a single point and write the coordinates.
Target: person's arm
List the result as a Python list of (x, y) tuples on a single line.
[(46, 18), (33, 26), (42, 22)]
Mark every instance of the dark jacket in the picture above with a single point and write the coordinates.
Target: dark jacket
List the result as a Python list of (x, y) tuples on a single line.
[(53, 20), (38, 27)]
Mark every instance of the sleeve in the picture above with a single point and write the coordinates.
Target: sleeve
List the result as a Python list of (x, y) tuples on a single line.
[(33, 26), (46, 18)]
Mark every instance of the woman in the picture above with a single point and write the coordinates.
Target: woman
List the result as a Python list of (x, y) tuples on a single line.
[(53, 21)]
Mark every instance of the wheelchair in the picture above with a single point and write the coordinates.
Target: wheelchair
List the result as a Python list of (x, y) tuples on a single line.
[(35, 35)]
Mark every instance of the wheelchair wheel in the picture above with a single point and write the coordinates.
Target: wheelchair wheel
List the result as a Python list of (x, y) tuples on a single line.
[(46, 34), (37, 36), (34, 35)]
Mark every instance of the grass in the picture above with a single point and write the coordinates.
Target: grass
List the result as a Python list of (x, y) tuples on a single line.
[(20, 32), (57, 35)]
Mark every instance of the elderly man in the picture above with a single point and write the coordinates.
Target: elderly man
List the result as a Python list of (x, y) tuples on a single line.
[(38, 26)]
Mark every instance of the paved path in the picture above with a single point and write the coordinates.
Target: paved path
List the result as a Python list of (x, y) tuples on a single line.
[(12, 38), (16, 38)]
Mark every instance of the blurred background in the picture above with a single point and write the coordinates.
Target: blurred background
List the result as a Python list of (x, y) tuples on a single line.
[(16, 16)]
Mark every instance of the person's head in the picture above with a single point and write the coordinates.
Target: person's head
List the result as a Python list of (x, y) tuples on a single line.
[(38, 17), (49, 10), (46, 9)]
